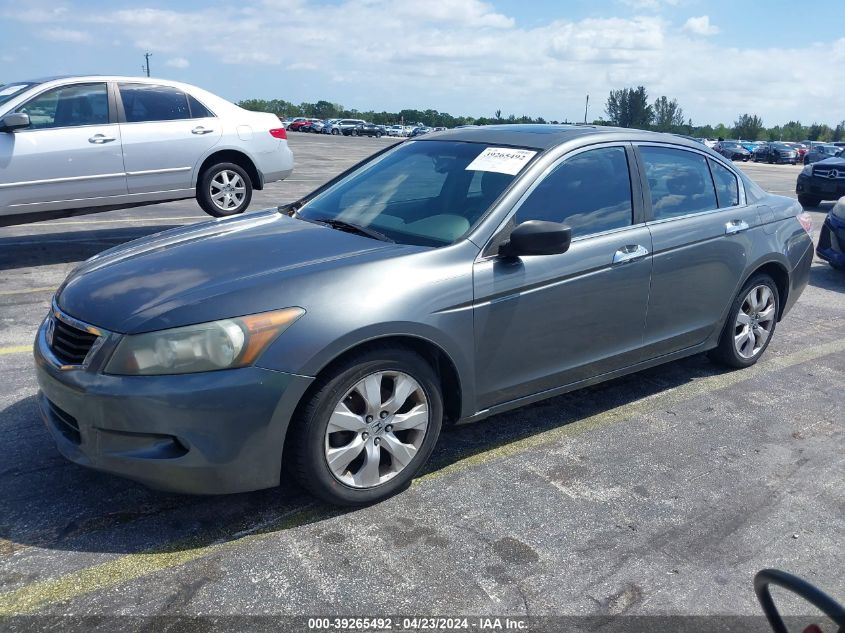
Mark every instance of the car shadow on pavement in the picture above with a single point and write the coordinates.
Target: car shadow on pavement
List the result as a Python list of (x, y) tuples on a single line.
[(22, 251), (50, 503), (827, 277)]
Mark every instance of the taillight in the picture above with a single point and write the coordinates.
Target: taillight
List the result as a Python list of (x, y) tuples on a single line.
[(806, 221), (279, 132)]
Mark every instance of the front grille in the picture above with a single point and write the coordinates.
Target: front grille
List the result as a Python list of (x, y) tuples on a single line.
[(65, 423), (70, 344), (824, 172)]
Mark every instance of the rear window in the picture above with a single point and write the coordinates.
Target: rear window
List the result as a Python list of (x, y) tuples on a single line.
[(727, 187), (679, 182), (142, 102)]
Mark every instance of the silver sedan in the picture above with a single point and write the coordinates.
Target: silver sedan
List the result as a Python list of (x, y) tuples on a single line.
[(75, 144)]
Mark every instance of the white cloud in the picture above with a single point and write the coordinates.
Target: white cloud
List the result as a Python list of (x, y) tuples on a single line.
[(464, 57), (650, 5), (177, 62), (701, 26), (36, 14), (59, 34)]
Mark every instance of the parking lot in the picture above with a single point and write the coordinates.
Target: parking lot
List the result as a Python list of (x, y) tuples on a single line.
[(660, 493)]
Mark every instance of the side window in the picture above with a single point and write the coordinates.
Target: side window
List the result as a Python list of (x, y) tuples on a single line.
[(142, 102), (591, 192), (69, 106), (679, 182), (198, 110), (727, 188)]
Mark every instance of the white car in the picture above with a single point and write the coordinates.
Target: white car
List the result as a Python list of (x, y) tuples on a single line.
[(95, 143), (394, 130)]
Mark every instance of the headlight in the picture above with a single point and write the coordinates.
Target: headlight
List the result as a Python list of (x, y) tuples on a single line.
[(838, 209), (808, 170), (210, 346)]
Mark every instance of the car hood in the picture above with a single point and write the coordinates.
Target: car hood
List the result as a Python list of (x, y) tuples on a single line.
[(833, 161), (209, 271)]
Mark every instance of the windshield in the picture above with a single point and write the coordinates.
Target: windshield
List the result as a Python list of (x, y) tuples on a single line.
[(427, 193), (9, 91)]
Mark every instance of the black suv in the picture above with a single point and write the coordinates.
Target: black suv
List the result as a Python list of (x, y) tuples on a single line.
[(824, 180), (775, 153), (365, 129)]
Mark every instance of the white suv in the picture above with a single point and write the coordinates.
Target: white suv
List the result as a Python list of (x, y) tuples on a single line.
[(95, 143)]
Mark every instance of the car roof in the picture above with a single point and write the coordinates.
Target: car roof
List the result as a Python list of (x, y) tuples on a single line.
[(545, 136)]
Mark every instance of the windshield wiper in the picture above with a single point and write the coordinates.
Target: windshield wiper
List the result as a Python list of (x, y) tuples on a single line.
[(343, 225)]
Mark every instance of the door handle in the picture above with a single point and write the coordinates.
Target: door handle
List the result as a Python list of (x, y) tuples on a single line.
[(99, 139), (629, 253), (201, 130), (736, 226)]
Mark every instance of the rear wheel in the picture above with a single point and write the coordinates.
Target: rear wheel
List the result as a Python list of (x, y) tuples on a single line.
[(224, 189), (809, 202), (751, 323), (368, 428)]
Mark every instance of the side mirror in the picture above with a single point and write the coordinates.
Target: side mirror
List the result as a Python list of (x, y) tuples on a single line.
[(14, 121), (537, 237)]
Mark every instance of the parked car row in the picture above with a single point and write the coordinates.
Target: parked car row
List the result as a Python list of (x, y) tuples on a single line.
[(355, 127)]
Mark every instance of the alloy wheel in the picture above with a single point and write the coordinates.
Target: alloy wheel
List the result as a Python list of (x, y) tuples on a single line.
[(228, 190), (376, 429), (754, 321)]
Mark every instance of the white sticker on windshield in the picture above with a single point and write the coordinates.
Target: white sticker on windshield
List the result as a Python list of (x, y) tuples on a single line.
[(501, 159), (10, 90)]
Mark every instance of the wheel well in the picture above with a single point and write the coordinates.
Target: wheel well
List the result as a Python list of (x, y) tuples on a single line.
[(781, 278), (443, 366), (238, 158)]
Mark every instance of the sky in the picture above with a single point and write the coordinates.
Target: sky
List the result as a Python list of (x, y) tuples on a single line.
[(780, 59)]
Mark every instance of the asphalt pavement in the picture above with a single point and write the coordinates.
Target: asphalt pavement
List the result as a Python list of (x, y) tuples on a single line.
[(656, 494)]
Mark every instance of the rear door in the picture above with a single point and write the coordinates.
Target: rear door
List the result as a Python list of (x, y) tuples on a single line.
[(165, 132), (69, 156), (546, 321), (700, 228)]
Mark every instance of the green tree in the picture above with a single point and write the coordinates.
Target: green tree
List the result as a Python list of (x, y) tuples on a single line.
[(748, 127), (629, 107), (668, 115), (839, 132)]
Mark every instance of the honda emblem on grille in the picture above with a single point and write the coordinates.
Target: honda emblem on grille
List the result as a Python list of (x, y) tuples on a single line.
[(51, 329)]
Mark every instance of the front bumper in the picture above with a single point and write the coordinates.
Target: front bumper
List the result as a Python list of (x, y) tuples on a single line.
[(208, 433), (824, 188), (831, 247)]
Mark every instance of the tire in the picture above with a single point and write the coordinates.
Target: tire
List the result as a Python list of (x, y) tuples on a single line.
[(378, 134), (745, 352), (809, 202), (354, 132), (352, 484), (335, 132), (218, 175)]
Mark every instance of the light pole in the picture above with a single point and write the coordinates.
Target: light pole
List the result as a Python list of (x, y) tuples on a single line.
[(147, 63)]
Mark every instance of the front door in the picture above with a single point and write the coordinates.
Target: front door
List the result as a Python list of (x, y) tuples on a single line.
[(165, 133), (546, 321), (69, 157)]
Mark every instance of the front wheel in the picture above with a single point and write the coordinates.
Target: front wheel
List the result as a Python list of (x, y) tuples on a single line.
[(751, 323), (224, 189), (368, 428)]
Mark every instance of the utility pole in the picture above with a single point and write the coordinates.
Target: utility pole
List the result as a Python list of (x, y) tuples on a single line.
[(586, 106), (146, 66)]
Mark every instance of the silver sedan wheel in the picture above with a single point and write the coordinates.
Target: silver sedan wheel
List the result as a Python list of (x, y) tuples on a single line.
[(376, 429), (227, 190), (754, 322)]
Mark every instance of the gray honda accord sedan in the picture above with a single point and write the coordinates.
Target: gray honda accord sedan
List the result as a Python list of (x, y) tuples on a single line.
[(445, 279)]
